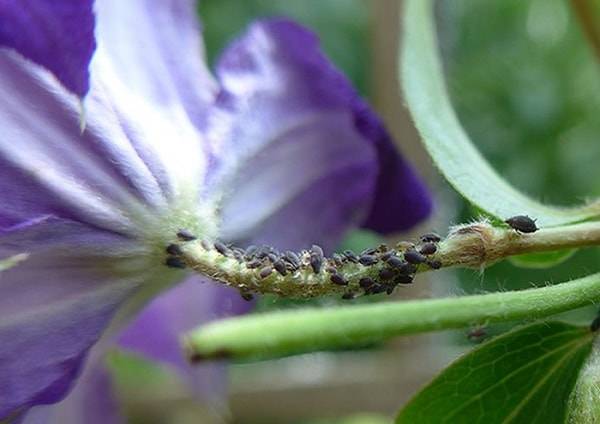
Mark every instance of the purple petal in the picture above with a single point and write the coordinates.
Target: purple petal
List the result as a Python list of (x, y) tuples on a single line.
[(133, 157), (156, 331), (401, 198), (58, 35), (314, 159), (56, 304), (155, 48), (92, 401), (42, 348)]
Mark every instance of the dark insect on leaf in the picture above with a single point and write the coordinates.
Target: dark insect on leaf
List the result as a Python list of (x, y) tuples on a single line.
[(185, 235), (175, 262), (174, 249), (280, 267), (254, 264), (430, 238), (222, 248), (265, 272), (316, 262), (205, 244), (292, 258), (366, 282), (522, 224), (351, 256), (414, 257), (386, 274), (403, 279), (338, 279), (395, 262), (367, 260), (434, 264), (428, 249)]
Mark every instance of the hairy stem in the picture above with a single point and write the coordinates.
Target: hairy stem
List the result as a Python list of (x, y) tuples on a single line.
[(291, 332), (474, 245)]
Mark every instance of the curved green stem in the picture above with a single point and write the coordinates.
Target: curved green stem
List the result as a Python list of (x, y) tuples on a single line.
[(291, 332)]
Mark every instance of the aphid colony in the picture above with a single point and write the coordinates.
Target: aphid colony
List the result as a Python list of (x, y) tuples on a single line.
[(380, 269)]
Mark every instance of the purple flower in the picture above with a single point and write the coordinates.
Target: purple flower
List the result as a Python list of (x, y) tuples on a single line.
[(276, 148)]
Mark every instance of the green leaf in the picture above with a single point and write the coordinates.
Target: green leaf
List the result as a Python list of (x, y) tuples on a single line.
[(542, 259), (584, 404), (447, 142), (524, 376)]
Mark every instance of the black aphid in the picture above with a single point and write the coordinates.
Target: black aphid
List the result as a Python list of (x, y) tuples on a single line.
[(292, 258), (367, 260), (376, 289), (316, 251), (386, 273), (247, 296), (403, 279), (280, 267), (389, 290), (414, 257), (430, 238), (250, 251), (395, 262), (253, 264), (174, 262), (366, 282), (185, 235), (351, 256), (265, 272), (316, 262), (273, 257), (387, 255), (428, 249), (262, 252), (338, 279), (239, 256), (522, 224), (348, 296), (407, 269), (174, 249), (434, 264), (369, 251), (222, 248), (338, 260), (331, 269)]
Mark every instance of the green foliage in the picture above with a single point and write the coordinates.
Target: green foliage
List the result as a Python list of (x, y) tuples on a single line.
[(447, 142), (523, 376), (584, 404), (542, 259)]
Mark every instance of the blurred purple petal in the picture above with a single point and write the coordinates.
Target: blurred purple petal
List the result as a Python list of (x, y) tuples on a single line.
[(156, 331), (294, 135), (92, 401), (56, 304), (309, 148), (58, 35), (401, 198), (42, 347)]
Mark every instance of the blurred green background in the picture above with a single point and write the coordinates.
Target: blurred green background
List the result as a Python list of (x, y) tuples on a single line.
[(526, 86)]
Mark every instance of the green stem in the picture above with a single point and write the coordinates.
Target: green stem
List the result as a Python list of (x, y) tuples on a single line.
[(475, 245), (291, 332), (589, 23)]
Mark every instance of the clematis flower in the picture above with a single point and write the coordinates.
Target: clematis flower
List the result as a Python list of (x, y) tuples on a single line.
[(275, 148)]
